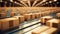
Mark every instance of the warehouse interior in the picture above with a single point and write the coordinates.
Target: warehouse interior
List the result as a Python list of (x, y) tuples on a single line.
[(29, 16)]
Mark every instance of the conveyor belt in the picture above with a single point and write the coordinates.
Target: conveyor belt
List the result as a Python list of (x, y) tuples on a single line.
[(22, 28), (31, 28), (27, 22), (36, 22), (27, 29)]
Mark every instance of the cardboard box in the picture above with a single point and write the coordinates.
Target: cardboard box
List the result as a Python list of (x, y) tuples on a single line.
[(53, 23), (50, 31), (14, 22), (8, 23), (0, 25), (48, 12), (39, 30), (39, 14), (45, 18), (3, 9), (43, 13), (4, 24), (2, 15), (58, 15), (36, 15), (27, 16), (21, 18), (22, 12), (12, 14), (33, 16)]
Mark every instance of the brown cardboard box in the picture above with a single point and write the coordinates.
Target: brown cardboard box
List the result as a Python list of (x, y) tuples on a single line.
[(21, 18), (43, 13), (33, 16), (39, 15), (50, 31), (13, 21), (53, 23), (2, 15), (39, 30), (52, 11), (45, 18), (0, 9), (3, 10), (58, 15), (36, 15), (0, 25), (4, 24), (47, 12), (22, 12), (27, 16), (12, 14), (8, 23)]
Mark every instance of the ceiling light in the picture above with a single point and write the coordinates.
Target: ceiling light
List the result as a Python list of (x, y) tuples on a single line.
[(24, 0), (55, 0), (50, 1), (15, 2), (11, 0), (46, 2)]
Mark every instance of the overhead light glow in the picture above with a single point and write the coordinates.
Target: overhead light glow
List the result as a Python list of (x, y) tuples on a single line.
[(55, 0), (43, 33), (14, 2), (46, 2), (11, 0), (24, 0), (0, 0), (50, 1)]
